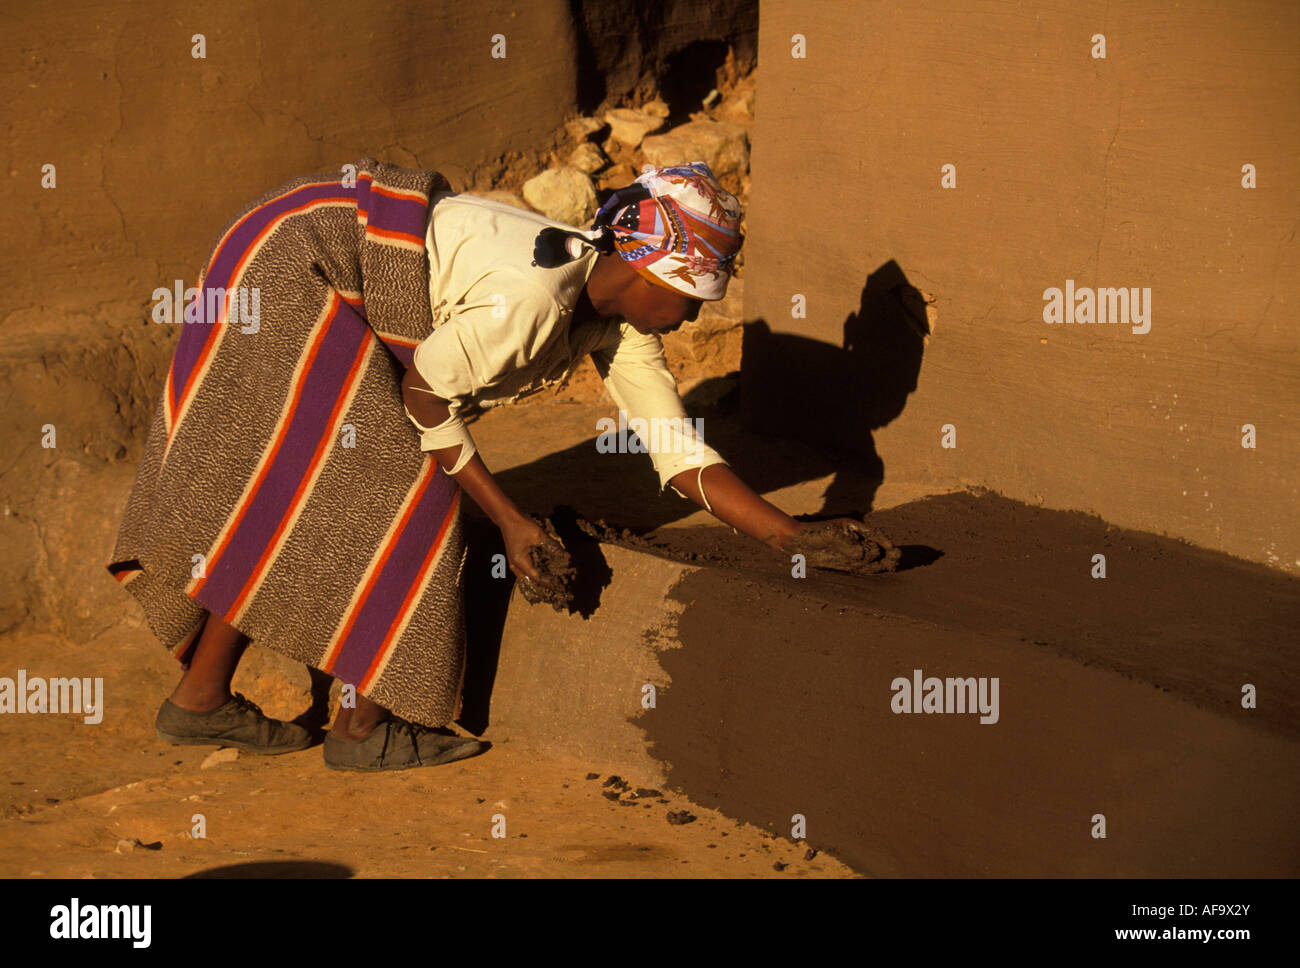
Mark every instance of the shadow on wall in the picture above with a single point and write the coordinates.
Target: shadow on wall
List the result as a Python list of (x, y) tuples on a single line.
[(487, 600), (688, 78), (834, 397)]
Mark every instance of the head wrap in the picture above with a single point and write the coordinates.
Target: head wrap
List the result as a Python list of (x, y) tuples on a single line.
[(675, 226)]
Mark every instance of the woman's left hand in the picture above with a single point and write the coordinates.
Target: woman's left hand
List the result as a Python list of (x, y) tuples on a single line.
[(791, 541), (843, 544), (521, 535)]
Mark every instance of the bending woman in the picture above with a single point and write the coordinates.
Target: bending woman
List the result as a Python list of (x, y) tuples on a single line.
[(301, 481)]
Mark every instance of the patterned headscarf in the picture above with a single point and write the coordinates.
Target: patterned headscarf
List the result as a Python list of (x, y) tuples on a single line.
[(675, 226)]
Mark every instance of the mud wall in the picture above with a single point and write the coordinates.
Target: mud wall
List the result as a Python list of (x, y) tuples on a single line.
[(155, 148), (1125, 172)]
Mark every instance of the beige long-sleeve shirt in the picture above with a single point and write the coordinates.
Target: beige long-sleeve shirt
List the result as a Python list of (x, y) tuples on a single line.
[(502, 328)]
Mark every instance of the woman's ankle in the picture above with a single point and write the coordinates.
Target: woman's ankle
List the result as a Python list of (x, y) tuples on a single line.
[(199, 701), (357, 724)]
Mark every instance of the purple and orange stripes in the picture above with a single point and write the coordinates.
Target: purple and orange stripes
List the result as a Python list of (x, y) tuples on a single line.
[(307, 428), (390, 216), (382, 606)]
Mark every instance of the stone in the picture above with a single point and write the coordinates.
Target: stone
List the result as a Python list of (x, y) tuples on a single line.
[(620, 176), (628, 126), (281, 686), (505, 197), (656, 108), (581, 129), (563, 194), (722, 146), (588, 158), (227, 754), (737, 109)]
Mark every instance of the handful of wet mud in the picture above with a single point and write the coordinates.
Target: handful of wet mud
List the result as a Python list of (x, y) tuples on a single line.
[(558, 575), (853, 548)]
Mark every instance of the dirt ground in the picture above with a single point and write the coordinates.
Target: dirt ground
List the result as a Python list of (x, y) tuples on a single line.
[(111, 800), (1165, 642), (83, 801)]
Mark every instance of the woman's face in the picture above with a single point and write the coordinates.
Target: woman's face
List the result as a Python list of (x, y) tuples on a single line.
[(652, 308)]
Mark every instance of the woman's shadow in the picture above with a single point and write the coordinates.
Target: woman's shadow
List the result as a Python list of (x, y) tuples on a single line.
[(834, 397)]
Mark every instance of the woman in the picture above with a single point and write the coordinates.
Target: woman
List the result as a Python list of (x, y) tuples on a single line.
[(282, 496)]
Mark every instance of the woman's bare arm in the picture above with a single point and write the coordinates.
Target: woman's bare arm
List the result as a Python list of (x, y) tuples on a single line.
[(519, 531), (731, 499), (736, 504)]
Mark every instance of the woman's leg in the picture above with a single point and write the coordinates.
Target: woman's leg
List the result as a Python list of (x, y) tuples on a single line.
[(356, 724), (206, 683), (203, 712)]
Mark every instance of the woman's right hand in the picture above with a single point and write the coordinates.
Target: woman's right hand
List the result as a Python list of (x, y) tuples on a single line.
[(521, 535)]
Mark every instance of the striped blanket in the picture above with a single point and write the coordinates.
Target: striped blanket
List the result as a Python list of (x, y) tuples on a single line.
[(282, 486)]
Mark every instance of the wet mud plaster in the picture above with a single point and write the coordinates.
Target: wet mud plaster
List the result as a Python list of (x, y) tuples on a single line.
[(839, 546), (558, 574), (1186, 620), (1118, 695)]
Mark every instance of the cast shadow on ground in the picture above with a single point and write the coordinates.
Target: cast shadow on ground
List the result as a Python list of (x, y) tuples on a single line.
[(801, 409), (274, 869)]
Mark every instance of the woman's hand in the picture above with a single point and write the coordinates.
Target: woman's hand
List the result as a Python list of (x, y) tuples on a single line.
[(842, 544), (521, 535), (791, 541)]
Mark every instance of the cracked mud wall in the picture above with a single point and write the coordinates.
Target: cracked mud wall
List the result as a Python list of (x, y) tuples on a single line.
[(155, 149), (1122, 172)]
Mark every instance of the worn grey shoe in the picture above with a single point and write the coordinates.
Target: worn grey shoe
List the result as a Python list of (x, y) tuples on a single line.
[(397, 744), (239, 723)]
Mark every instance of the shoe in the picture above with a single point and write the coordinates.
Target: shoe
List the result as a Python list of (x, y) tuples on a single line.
[(398, 744), (238, 723)]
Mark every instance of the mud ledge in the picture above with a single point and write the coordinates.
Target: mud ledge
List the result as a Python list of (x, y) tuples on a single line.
[(772, 695)]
